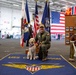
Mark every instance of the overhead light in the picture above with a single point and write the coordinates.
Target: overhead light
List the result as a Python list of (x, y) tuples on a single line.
[(33, 8), (16, 5)]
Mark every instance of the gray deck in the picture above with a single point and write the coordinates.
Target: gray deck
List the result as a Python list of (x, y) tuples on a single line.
[(58, 47)]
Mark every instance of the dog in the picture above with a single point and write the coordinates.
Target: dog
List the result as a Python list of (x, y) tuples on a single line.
[(32, 49)]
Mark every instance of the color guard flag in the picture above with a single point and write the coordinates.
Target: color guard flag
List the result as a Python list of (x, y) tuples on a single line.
[(26, 33), (27, 13), (23, 20), (36, 20), (46, 17)]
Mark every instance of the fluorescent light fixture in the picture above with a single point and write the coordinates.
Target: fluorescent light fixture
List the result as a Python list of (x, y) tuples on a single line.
[(33, 8)]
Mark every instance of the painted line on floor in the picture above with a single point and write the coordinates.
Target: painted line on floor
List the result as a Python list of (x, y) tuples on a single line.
[(4, 57), (68, 61)]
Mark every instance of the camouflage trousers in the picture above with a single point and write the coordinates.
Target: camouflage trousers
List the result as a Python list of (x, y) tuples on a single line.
[(43, 51), (71, 50)]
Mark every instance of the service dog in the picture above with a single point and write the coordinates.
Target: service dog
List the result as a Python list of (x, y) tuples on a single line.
[(32, 49)]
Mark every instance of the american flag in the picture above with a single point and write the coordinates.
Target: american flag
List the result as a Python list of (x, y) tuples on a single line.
[(58, 22), (36, 20)]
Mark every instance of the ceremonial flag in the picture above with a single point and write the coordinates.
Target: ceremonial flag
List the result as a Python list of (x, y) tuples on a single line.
[(26, 28), (36, 20), (46, 17), (23, 20), (27, 13), (57, 22)]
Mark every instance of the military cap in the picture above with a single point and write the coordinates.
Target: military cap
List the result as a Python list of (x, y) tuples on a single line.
[(41, 26)]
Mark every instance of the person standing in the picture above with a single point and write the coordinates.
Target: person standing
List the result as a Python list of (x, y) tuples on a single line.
[(43, 40), (30, 31), (73, 46)]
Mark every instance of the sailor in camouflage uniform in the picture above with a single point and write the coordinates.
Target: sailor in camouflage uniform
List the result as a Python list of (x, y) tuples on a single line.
[(73, 46), (43, 39)]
